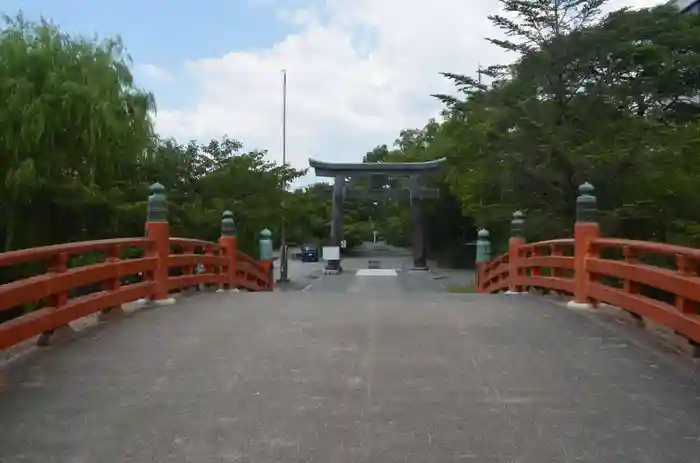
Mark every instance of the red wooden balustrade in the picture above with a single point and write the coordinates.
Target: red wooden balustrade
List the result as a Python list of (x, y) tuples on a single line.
[(127, 269), (596, 269)]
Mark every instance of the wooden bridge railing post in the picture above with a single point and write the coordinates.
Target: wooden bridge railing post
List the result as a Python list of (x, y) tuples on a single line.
[(266, 257), (189, 269), (57, 265), (209, 268), (514, 244), (113, 255), (586, 229), (229, 247), (158, 232), (483, 256)]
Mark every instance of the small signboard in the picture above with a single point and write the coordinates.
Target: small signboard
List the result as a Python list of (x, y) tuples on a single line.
[(331, 253), (343, 244)]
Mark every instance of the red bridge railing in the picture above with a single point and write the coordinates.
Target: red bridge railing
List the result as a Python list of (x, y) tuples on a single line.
[(654, 281), (70, 281)]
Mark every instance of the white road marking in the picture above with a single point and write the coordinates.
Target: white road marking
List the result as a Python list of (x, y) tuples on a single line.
[(371, 272), (306, 288)]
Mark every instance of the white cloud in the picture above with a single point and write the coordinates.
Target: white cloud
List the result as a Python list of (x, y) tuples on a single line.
[(356, 77), (155, 74)]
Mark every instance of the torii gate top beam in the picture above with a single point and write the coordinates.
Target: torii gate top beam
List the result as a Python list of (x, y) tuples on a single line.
[(333, 169)]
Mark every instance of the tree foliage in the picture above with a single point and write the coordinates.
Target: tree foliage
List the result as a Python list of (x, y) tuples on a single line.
[(610, 99), (78, 151), (72, 122)]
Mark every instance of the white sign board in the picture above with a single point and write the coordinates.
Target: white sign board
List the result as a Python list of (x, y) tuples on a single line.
[(331, 253), (343, 244)]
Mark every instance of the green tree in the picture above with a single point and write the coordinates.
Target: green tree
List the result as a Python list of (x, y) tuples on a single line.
[(79, 149), (603, 100), (72, 124)]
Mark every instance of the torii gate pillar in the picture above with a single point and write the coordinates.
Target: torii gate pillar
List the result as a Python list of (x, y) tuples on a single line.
[(337, 220), (341, 171), (420, 254)]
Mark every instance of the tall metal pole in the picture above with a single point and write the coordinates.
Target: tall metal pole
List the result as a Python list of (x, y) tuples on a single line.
[(481, 196), (284, 270), (284, 117)]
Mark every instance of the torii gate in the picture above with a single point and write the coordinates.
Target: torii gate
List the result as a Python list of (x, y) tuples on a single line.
[(414, 191)]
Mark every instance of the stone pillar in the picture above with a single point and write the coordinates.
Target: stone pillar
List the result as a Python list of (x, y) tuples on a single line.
[(266, 257), (337, 220), (158, 232), (586, 204), (228, 243), (586, 229), (483, 255), (420, 258), (483, 247)]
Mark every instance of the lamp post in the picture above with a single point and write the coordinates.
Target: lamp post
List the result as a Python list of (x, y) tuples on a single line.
[(284, 270)]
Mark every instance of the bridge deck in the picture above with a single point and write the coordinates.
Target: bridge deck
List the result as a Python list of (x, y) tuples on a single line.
[(370, 374)]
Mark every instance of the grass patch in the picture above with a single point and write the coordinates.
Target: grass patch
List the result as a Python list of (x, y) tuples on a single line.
[(461, 289)]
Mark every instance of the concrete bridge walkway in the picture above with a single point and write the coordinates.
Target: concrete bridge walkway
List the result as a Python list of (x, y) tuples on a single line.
[(383, 368)]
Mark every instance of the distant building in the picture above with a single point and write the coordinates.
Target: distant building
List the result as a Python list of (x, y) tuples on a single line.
[(687, 6)]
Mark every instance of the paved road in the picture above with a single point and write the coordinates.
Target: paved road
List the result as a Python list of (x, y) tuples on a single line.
[(300, 274), (370, 372), (309, 276), (404, 280), (388, 257)]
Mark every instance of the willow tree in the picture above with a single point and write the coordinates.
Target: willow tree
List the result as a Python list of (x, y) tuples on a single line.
[(72, 125)]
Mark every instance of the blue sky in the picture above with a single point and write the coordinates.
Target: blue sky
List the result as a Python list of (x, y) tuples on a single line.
[(165, 33)]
